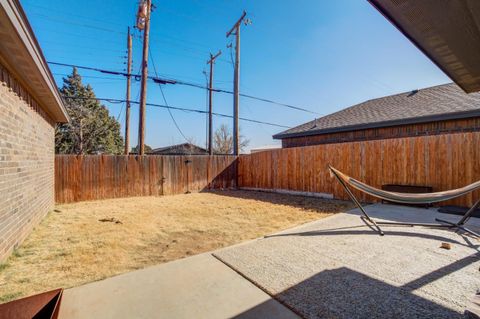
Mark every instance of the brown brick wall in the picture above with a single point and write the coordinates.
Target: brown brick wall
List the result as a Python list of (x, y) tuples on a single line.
[(412, 130), (26, 164)]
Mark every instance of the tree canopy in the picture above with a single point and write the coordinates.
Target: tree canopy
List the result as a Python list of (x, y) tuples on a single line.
[(223, 141), (91, 129), (148, 149)]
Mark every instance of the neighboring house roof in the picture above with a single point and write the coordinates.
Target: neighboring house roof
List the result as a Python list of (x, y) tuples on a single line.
[(265, 148), (21, 55), (179, 149), (443, 102), (446, 31)]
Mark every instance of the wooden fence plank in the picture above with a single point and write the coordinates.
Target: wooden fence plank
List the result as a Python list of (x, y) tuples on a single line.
[(93, 177), (441, 161)]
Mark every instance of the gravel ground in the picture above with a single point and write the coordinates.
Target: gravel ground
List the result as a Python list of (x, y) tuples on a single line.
[(339, 268)]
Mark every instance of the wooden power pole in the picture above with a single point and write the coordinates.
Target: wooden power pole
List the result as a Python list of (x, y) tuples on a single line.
[(236, 82), (144, 12), (210, 101), (129, 79)]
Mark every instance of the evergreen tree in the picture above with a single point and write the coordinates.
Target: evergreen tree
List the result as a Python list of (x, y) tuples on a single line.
[(91, 129)]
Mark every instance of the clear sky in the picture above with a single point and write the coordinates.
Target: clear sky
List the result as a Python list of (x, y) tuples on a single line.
[(320, 55)]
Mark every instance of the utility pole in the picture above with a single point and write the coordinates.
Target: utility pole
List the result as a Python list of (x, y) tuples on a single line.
[(127, 112), (210, 101), (143, 20), (236, 81), (206, 108)]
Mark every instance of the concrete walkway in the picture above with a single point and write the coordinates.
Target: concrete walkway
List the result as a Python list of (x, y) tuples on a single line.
[(338, 267), (194, 287), (335, 267)]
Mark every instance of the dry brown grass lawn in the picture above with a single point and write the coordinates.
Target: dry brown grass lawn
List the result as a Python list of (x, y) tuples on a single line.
[(72, 246)]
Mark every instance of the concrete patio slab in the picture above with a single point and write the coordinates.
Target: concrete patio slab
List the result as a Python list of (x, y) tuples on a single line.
[(338, 267), (194, 287)]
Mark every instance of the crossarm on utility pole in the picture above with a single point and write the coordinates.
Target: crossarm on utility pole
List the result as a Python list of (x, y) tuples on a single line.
[(237, 24)]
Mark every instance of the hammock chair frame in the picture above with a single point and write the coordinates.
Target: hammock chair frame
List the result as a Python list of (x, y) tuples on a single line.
[(441, 223)]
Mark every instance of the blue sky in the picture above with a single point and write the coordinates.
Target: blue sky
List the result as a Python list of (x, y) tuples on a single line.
[(320, 55)]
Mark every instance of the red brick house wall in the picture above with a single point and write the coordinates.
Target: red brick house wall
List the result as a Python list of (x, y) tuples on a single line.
[(26, 163)]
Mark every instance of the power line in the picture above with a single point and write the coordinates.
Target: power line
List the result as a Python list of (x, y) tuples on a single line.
[(102, 28), (179, 82), (76, 47), (171, 115), (118, 101), (90, 76), (77, 35), (95, 59), (278, 103), (84, 25), (81, 19), (165, 100), (94, 69), (50, 10)]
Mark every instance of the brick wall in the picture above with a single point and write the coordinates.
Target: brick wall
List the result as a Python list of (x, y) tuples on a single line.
[(26, 163)]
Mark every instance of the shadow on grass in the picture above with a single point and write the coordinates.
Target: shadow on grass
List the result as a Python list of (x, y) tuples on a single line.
[(308, 203)]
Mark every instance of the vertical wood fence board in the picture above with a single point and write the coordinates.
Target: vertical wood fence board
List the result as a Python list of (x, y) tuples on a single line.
[(93, 177), (441, 161)]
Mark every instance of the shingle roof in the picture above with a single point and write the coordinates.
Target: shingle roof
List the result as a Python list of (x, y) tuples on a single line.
[(442, 102), (180, 149)]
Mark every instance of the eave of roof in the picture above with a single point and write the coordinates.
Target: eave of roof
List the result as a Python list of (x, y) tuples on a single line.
[(22, 56), (447, 32), (406, 121)]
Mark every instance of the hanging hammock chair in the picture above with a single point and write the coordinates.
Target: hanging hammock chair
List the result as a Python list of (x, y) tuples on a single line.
[(408, 198)]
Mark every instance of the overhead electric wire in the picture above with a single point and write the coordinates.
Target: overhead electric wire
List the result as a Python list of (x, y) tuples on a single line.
[(63, 13), (92, 69), (75, 46), (118, 101), (90, 76), (87, 21), (84, 25), (174, 81), (77, 35), (165, 99)]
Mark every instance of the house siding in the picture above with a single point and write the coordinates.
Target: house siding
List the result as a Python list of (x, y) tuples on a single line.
[(412, 130), (27, 138)]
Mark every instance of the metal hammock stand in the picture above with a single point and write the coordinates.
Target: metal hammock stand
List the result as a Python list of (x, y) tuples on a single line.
[(407, 198)]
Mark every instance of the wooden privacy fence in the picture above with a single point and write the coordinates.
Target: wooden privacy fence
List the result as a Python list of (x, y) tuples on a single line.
[(91, 177), (441, 161)]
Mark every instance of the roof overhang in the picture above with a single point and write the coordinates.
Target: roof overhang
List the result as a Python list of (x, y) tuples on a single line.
[(447, 31), (366, 126), (20, 53)]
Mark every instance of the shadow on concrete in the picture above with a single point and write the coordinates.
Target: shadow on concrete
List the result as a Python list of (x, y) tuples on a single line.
[(354, 230), (402, 213), (441, 272), (345, 293), (264, 311)]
